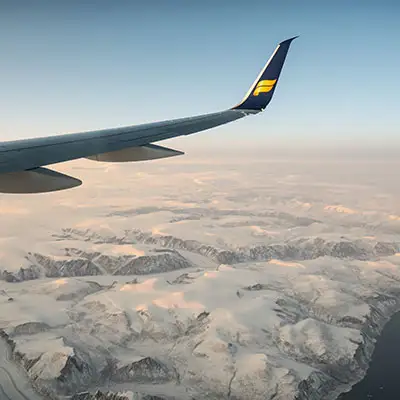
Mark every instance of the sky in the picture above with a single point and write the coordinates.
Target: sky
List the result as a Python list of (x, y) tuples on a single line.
[(79, 65)]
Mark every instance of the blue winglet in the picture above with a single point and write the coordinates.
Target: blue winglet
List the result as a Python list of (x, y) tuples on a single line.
[(262, 90)]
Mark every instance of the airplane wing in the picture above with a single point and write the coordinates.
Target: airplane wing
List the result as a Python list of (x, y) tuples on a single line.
[(22, 161)]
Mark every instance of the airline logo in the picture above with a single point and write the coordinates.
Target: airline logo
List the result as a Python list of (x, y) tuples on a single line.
[(264, 86)]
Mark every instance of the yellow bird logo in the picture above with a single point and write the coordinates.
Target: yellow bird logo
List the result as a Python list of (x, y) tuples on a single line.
[(264, 86)]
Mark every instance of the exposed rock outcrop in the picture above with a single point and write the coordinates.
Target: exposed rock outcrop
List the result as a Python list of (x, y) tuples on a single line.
[(23, 274), (65, 267), (144, 370), (154, 263)]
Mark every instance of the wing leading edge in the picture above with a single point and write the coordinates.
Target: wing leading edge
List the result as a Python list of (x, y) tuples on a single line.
[(25, 156)]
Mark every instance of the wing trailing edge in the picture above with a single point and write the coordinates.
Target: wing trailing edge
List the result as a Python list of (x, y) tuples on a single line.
[(38, 180), (139, 153)]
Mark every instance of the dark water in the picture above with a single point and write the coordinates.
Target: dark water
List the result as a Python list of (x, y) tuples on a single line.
[(383, 376)]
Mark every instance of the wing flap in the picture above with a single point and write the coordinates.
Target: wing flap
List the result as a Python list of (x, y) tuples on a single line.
[(39, 180), (140, 153)]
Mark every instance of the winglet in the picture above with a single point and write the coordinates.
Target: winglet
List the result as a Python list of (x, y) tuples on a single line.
[(262, 90)]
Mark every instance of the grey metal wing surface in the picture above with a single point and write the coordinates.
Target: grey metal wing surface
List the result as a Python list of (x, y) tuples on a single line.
[(22, 162), (33, 153)]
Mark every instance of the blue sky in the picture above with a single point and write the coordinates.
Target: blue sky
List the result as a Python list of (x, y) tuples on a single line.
[(74, 66)]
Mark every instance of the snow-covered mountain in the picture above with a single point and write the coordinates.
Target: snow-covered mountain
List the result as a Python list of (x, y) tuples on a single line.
[(141, 313)]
